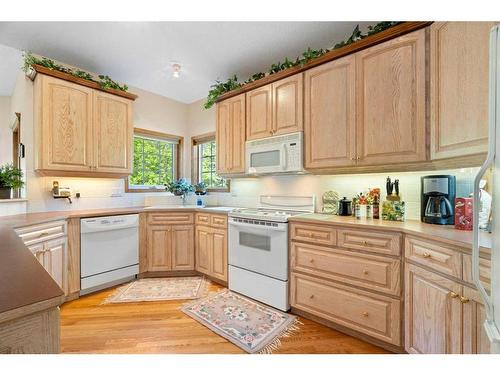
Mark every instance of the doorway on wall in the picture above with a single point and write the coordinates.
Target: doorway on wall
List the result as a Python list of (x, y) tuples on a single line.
[(17, 149)]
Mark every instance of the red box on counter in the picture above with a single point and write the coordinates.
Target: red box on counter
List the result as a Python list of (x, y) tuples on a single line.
[(463, 213)]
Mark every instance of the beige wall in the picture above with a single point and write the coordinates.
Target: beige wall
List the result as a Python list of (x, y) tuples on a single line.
[(151, 111), (5, 132)]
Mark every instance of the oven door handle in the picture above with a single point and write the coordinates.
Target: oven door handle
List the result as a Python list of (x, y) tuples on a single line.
[(280, 228)]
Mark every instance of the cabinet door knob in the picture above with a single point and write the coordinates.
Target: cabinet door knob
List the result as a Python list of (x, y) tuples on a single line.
[(464, 299), (311, 296), (365, 314), (365, 272), (426, 255), (453, 295)]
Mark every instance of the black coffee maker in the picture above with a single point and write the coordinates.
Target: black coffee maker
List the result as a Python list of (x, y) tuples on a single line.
[(438, 199)]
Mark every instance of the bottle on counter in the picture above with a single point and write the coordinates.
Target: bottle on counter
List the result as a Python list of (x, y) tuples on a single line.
[(357, 211), (368, 211), (376, 209)]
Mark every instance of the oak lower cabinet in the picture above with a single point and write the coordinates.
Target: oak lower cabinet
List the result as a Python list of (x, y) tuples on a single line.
[(48, 243), (170, 247), (230, 135), (442, 316), (459, 88), (80, 131), (350, 278), (211, 245)]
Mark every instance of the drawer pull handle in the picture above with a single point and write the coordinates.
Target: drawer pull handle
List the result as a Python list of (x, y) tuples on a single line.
[(311, 260), (365, 243), (453, 295), (365, 272), (43, 234), (365, 314), (426, 255), (464, 299)]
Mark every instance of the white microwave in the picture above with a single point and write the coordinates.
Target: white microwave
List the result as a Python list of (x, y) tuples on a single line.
[(278, 154)]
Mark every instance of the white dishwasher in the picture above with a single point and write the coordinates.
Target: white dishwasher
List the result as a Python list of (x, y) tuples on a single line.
[(109, 251)]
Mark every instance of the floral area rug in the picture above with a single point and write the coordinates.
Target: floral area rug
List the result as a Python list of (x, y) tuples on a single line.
[(254, 327), (160, 289)]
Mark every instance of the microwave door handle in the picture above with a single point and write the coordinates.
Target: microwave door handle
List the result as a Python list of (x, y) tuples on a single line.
[(283, 157)]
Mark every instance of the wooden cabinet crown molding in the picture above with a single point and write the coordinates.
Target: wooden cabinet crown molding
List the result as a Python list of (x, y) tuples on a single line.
[(81, 81), (391, 33)]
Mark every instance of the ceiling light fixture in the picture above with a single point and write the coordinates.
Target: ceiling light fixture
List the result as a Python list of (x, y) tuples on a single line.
[(176, 70)]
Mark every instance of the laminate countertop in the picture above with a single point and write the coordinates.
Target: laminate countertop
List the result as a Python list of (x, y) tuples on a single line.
[(23, 280), (32, 218), (444, 233)]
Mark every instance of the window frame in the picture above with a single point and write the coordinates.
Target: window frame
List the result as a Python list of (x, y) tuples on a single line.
[(161, 137), (195, 161)]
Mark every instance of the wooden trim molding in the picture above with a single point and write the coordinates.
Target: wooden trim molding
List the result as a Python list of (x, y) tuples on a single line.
[(81, 81), (369, 41), (195, 141), (178, 156)]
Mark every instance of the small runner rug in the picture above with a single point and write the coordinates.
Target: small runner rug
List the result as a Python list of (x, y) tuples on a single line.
[(254, 327), (160, 289)]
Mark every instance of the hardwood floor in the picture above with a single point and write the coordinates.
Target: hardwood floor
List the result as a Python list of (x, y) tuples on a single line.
[(160, 327)]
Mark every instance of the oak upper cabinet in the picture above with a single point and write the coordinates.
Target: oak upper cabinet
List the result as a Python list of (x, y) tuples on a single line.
[(113, 132), (81, 131), (390, 106), (329, 114), (276, 108), (459, 88), (433, 313), (288, 105), (230, 135), (259, 113), (64, 126)]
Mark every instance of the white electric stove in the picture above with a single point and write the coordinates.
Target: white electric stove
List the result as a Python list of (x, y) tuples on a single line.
[(258, 248)]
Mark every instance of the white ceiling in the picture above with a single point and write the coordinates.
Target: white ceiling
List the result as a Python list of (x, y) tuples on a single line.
[(140, 53)]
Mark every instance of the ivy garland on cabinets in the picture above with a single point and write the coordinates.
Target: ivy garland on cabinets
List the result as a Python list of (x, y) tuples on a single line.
[(220, 87), (104, 81)]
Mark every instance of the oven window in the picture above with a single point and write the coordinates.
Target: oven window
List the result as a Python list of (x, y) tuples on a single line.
[(265, 159), (255, 241)]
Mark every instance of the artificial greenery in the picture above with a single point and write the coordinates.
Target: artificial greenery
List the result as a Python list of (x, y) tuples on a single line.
[(11, 177), (220, 88), (179, 187), (200, 188), (104, 81)]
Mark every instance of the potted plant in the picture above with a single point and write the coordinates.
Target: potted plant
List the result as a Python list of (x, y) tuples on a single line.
[(200, 188), (180, 188), (10, 178)]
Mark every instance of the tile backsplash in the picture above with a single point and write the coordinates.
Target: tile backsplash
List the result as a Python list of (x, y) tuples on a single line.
[(245, 192)]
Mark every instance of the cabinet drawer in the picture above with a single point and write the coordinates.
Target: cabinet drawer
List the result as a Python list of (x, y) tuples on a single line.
[(171, 218), (218, 221), (377, 242), (365, 312), (369, 271), (202, 219), (42, 232), (484, 271), (317, 234), (432, 255)]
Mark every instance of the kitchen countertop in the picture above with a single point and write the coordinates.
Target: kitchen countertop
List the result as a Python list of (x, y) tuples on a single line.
[(444, 233), (32, 218), (23, 280)]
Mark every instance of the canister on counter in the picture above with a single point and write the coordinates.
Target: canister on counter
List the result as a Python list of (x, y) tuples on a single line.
[(463, 213)]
